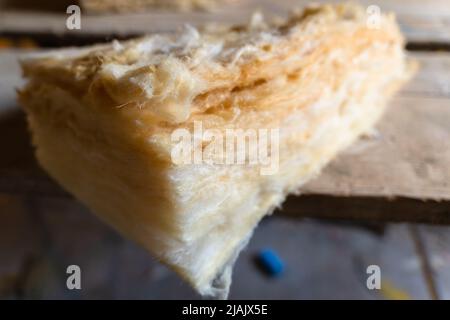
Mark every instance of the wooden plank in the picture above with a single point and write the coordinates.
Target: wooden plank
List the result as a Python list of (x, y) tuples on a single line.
[(437, 244), (409, 157), (40, 237), (421, 21), (409, 160), (329, 261), (410, 154)]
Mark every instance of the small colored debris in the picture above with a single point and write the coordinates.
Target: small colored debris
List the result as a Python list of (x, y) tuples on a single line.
[(270, 262), (391, 292), (20, 43)]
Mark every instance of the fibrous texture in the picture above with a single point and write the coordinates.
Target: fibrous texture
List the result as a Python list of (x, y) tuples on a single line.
[(103, 120)]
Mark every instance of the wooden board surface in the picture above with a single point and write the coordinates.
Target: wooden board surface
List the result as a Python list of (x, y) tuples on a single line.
[(397, 176), (408, 159), (421, 21), (409, 155), (40, 237)]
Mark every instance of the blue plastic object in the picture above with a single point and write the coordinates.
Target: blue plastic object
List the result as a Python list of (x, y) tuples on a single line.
[(270, 262)]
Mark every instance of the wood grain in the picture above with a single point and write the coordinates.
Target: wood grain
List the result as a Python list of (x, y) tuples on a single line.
[(421, 21)]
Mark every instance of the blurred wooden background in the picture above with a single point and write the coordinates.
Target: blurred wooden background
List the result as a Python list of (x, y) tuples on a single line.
[(402, 174)]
